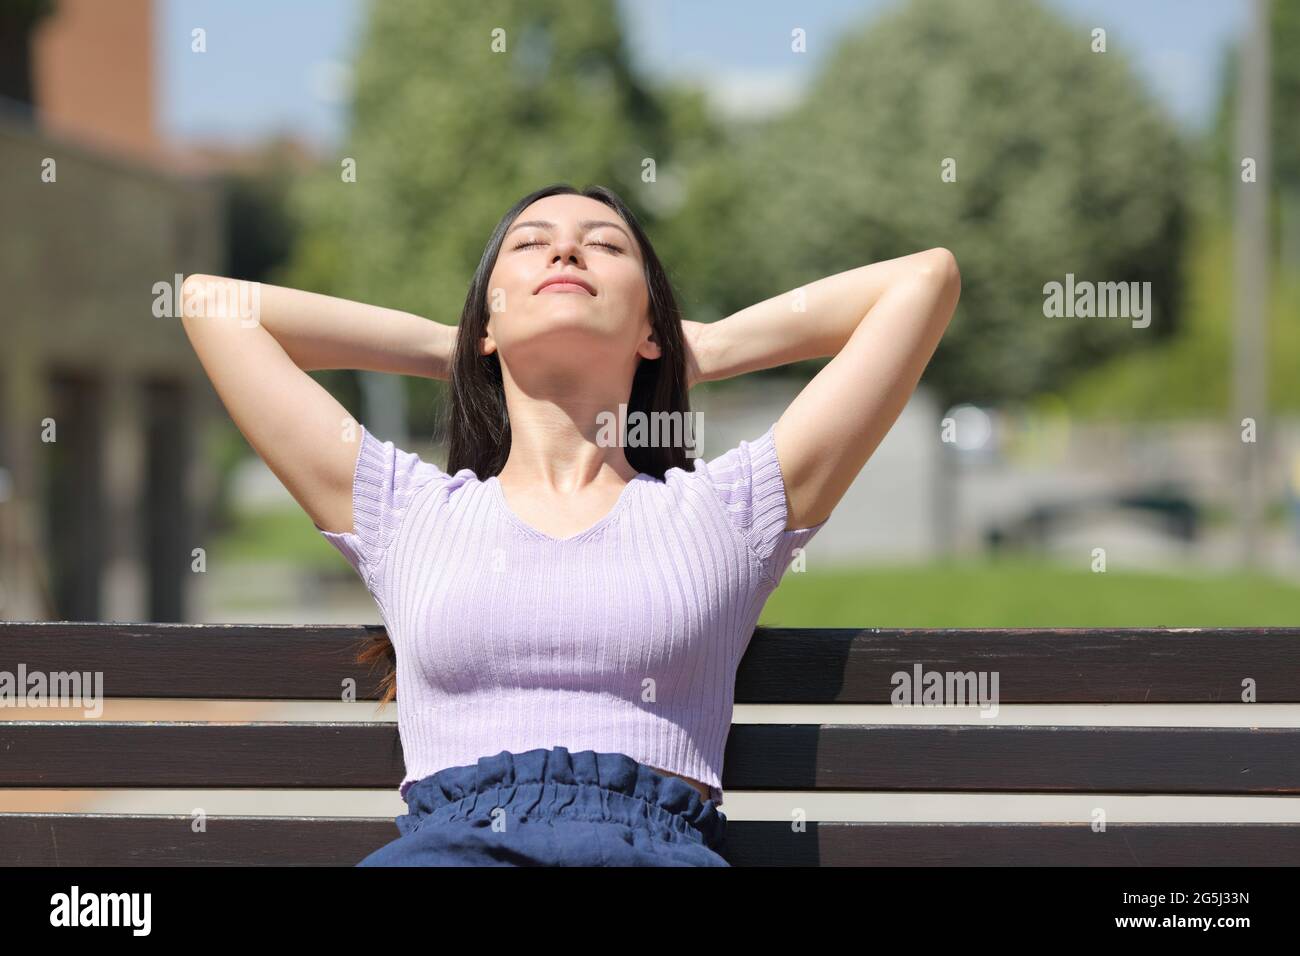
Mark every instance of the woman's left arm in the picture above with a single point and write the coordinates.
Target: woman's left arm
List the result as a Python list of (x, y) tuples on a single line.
[(881, 322)]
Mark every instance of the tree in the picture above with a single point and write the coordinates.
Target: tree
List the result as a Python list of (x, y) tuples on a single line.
[(1063, 163), (458, 110), (1284, 131)]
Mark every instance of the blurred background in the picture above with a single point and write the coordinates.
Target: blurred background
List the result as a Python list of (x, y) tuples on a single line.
[(1051, 470)]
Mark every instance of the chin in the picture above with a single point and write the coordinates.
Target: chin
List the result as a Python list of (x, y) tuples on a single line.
[(576, 316), (557, 336)]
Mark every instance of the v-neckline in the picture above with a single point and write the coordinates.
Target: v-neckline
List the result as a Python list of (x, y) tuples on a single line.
[(623, 497)]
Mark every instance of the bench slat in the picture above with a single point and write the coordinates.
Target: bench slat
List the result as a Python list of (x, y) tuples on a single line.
[(39, 839), (957, 758), (782, 665)]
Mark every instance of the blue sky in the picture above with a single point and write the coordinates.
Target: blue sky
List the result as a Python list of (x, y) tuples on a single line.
[(281, 66)]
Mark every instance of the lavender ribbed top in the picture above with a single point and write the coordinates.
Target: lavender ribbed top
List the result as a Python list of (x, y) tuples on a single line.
[(624, 637)]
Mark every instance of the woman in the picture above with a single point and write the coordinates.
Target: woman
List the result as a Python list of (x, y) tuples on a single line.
[(567, 610)]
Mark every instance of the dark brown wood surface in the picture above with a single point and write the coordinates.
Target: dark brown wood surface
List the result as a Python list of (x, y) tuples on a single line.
[(887, 757), (795, 665), (782, 665), (110, 840)]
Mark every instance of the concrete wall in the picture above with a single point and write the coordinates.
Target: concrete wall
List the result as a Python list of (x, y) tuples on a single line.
[(79, 257)]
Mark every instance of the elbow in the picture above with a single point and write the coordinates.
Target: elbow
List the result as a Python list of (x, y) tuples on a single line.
[(940, 265), (192, 294), (208, 296)]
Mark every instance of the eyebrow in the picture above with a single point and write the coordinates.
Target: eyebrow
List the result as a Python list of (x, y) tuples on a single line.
[(585, 225)]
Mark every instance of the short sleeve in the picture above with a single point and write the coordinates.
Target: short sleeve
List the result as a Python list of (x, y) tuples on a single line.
[(384, 482), (749, 483)]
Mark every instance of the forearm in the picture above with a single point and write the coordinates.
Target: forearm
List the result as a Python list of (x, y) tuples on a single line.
[(324, 332), (812, 321)]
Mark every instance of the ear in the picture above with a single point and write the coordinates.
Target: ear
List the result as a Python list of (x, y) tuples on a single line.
[(486, 344), (649, 347)]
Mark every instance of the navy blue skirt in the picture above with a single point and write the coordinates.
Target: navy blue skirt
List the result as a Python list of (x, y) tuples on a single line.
[(550, 807)]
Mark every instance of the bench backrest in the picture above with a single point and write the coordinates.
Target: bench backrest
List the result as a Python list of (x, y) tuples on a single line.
[(782, 666)]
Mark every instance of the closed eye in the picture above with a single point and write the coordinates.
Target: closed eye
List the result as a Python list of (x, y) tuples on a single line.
[(542, 242)]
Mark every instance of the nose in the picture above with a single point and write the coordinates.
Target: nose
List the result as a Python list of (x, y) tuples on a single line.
[(568, 249)]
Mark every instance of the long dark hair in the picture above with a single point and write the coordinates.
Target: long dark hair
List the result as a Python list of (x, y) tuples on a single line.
[(477, 421)]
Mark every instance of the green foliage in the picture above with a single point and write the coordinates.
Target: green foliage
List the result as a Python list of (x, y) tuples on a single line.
[(1064, 164), (1285, 91), (1284, 105), (259, 231), (1027, 592), (276, 534), (1192, 374), (447, 133)]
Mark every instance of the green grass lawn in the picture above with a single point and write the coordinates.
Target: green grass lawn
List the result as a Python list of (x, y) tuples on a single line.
[(1027, 593)]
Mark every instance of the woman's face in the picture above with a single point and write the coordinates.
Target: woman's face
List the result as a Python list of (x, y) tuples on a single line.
[(601, 322)]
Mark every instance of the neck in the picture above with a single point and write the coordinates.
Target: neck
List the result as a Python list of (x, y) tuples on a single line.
[(566, 447)]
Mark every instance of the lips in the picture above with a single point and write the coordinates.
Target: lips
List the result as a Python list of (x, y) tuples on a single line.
[(568, 283)]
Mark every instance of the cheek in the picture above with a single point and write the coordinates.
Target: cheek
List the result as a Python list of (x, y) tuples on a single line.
[(508, 289), (630, 290)]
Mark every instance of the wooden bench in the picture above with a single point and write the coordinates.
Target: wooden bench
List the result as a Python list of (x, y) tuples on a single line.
[(782, 666)]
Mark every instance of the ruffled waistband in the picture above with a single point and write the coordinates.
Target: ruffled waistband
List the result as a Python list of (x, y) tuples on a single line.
[(583, 785)]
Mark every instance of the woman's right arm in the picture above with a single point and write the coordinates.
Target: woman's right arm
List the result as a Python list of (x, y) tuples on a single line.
[(258, 358)]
